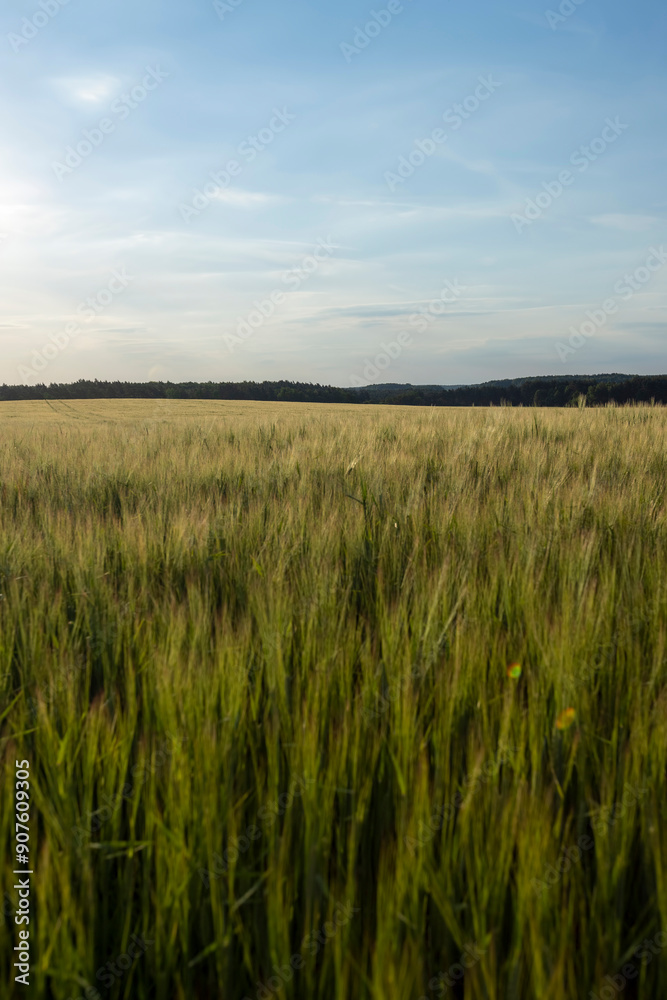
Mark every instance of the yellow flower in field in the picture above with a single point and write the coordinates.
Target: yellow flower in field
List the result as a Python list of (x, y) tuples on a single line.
[(514, 671), (566, 718)]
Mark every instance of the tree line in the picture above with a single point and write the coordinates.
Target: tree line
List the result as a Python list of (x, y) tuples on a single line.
[(556, 391)]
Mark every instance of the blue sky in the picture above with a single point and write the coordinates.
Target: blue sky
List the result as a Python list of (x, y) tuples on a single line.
[(315, 117)]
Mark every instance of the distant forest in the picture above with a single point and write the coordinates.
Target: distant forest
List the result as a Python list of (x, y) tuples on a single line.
[(598, 390)]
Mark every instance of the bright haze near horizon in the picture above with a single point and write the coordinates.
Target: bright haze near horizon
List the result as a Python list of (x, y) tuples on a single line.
[(317, 123)]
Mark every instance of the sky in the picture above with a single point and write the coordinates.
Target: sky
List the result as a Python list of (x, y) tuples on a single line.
[(422, 191)]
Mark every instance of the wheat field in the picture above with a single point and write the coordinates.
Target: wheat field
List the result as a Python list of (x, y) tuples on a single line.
[(258, 657)]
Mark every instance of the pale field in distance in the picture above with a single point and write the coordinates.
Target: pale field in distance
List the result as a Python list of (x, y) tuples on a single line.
[(257, 656)]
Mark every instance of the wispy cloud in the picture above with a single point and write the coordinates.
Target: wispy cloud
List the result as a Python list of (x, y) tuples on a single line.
[(245, 199), (626, 223), (87, 89)]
